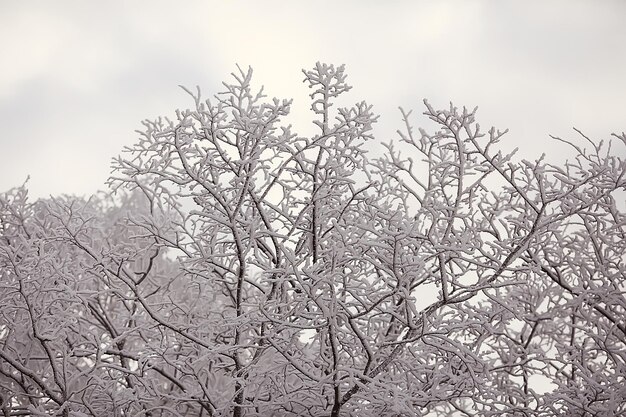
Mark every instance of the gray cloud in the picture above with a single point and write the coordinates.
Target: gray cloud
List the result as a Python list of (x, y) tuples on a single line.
[(77, 78)]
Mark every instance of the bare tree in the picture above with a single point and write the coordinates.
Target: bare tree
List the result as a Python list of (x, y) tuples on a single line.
[(239, 269)]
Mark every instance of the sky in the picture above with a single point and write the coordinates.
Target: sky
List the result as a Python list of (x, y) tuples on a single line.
[(78, 77)]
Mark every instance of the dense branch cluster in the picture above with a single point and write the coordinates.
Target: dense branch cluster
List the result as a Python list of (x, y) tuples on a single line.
[(237, 268)]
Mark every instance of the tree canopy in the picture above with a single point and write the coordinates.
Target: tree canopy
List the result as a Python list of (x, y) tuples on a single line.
[(237, 268)]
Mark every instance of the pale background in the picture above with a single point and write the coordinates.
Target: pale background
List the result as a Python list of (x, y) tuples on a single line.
[(77, 77)]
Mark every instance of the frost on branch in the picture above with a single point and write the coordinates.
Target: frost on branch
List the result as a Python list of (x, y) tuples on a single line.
[(237, 268)]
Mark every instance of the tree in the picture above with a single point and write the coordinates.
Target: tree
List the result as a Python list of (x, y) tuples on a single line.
[(236, 268)]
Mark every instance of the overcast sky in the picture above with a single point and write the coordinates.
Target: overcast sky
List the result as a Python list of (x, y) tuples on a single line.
[(77, 77)]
